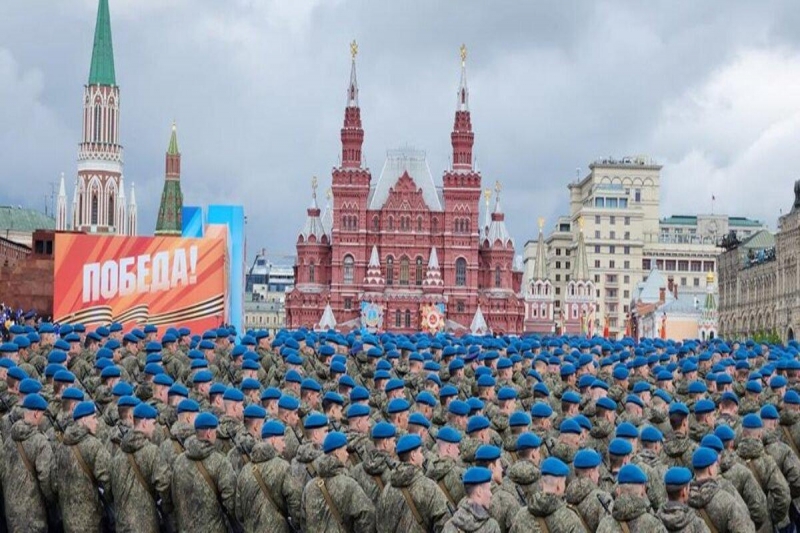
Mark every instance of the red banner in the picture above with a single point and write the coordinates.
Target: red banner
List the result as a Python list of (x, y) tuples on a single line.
[(165, 281)]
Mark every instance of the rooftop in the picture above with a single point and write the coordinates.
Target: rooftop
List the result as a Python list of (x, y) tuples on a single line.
[(24, 220), (398, 162), (691, 220)]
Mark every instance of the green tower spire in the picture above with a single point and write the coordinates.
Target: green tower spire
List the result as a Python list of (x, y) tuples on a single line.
[(173, 141), (169, 221), (102, 69)]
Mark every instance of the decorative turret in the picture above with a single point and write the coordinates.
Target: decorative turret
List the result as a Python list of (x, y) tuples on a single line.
[(580, 308), (539, 299), (169, 220), (479, 325), (433, 277), (133, 214), (352, 132), (374, 277), (711, 302), (540, 266), (61, 206), (328, 320), (487, 221), (327, 215), (462, 137), (498, 235), (580, 266), (313, 229), (122, 209)]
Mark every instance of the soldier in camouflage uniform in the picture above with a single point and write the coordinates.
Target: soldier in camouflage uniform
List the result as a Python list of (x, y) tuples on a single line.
[(445, 468), (631, 506), (82, 465), (374, 471), (676, 515), (334, 502), (583, 495), (239, 455), (711, 501), (203, 482), (411, 502), (316, 428), (678, 447), (472, 514), (268, 497), (505, 503)]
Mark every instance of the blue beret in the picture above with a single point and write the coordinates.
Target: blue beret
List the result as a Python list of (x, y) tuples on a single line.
[(704, 457), (288, 402), (587, 458), (769, 412), (713, 442), (752, 421), (407, 443), (541, 388), (507, 393), (270, 393), (476, 475), (255, 411), (29, 386), (627, 430), (651, 434), (725, 433), (128, 401), (729, 396), (398, 405), (16, 373), (679, 409), (632, 398), (458, 408), (519, 418), (620, 373), (552, 466), (163, 379), (71, 393), (426, 398), (606, 403), (777, 382), (541, 410), (146, 411), (487, 452), (383, 430), (486, 381), (34, 402), (315, 420), (293, 376), (620, 447), (232, 394), (83, 409), (677, 475), (753, 386), (477, 423), (791, 397), (357, 410), (704, 406), (394, 384), (447, 391), (110, 372), (569, 425), (333, 441), (528, 440), (449, 434), (418, 419), (631, 474), (206, 421), (641, 386), (249, 384), (310, 384), (571, 397), (475, 404), (272, 428), (188, 405)]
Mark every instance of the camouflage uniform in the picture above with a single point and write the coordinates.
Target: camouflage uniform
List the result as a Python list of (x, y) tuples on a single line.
[(293, 442), (240, 453), (396, 515), (742, 479), (303, 467), (505, 505), (769, 477), (679, 517), (678, 449), (552, 510), (633, 511), (373, 473), (446, 472), (524, 476), (256, 511), (229, 428), (26, 498), (352, 505), (472, 518), (722, 510), (135, 507), (171, 448), (584, 496), (198, 507), (76, 492)]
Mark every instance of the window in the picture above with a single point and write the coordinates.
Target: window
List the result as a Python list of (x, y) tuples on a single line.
[(623, 203), (597, 219), (376, 223), (612, 219), (567, 253), (626, 250), (708, 266), (460, 307), (566, 265), (696, 282), (391, 223), (111, 210), (612, 249), (558, 264), (646, 264), (683, 282), (498, 279), (611, 203), (408, 318), (558, 291), (597, 234), (626, 295), (461, 272), (389, 270), (566, 277), (435, 225), (398, 318), (626, 279), (613, 235), (404, 270), (558, 277), (419, 223), (627, 235), (420, 274), (97, 121), (597, 263), (348, 269), (94, 208), (597, 278), (312, 273), (637, 195), (558, 251), (670, 265), (683, 266), (597, 249), (348, 303), (611, 264), (627, 221), (599, 202), (695, 266)]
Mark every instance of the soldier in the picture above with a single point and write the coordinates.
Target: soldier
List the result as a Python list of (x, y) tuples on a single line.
[(446, 468), (411, 502), (140, 476), (268, 497), (358, 442), (473, 511), (676, 515), (289, 417), (715, 505), (547, 510), (203, 481), (231, 423), (678, 446), (505, 503), (373, 473), (333, 501), (583, 495), (631, 507), (316, 428), (26, 471), (182, 429), (523, 476), (254, 416), (82, 466)]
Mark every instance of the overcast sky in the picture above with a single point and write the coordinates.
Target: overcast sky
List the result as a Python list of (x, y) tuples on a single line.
[(709, 89)]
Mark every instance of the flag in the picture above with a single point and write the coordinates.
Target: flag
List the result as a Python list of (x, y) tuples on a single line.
[(605, 328)]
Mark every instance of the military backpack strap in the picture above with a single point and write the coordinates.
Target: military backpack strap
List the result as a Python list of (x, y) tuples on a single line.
[(624, 526), (443, 486), (788, 435), (137, 472), (707, 520), (312, 472), (378, 481), (322, 485), (413, 507), (579, 515), (265, 490), (542, 524), (752, 468), (177, 446), (27, 462), (76, 451)]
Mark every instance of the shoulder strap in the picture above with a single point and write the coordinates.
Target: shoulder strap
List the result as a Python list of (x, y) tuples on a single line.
[(707, 520), (265, 489), (203, 472), (27, 461), (752, 468), (624, 526), (76, 451), (790, 440), (378, 481), (542, 524), (413, 506), (579, 515), (323, 487), (138, 473), (177, 446), (443, 486), (312, 472)]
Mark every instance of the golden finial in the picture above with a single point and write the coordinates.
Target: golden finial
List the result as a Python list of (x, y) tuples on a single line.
[(541, 223), (497, 187), (354, 49), (463, 54), (174, 126), (580, 223), (710, 278), (487, 193)]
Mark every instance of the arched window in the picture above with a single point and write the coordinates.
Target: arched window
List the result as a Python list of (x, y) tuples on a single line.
[(348, 269), (461, 272), (404, 270), (419, 273), (312, 273), (419, 223), (390, 270), (111, 210), (376, 223), (408, 318), (435, 225), (497, 277), (398, 319), (391, 223), (466, 225), (95, 208)]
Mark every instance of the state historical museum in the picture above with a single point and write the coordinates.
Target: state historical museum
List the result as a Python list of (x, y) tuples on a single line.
[(401, 253)]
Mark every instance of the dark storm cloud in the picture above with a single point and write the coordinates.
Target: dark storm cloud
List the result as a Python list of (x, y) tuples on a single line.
[(258, 89)]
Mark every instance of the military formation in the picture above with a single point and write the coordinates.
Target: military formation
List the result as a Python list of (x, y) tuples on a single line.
[(303, 431)]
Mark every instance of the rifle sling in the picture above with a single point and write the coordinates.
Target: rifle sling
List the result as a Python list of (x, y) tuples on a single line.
[(378, 481), (447, 494), (413, 507), (579, 515), (790, 440), (213, 486), (749, 464), (624, 526), (138, 474), (323, 487), (265, 490), (76, 451), (27, 462), (542, 524), (707, 520)]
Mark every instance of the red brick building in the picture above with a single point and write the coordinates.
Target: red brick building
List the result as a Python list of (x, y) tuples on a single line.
[(403, 253)]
